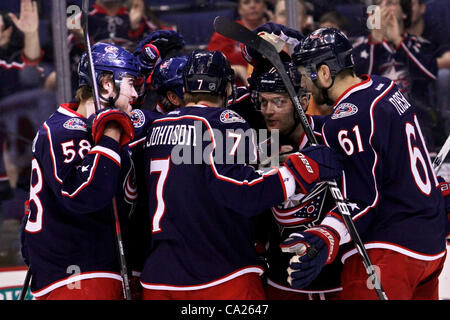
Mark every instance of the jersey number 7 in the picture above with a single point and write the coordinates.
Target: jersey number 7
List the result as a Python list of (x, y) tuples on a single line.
[(162, 166)]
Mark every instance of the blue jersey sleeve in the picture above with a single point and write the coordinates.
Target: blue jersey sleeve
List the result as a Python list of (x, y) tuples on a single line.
[(82, 177), (234, 182)]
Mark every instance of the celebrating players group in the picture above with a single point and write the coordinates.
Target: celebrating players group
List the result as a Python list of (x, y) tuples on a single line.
[(201, 211)]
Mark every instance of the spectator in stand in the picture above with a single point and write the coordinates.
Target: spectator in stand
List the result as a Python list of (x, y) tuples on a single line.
[(433, 31), (305, 20), (333, 19), (110, 21), (20, 55), (25, 51), (20, 52), (251, 15), (406, 59)]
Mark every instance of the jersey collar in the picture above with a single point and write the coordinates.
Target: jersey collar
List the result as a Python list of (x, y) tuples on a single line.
[(68, 109), (367, 82)]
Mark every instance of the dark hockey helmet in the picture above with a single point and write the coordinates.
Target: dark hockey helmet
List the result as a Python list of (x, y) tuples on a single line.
[(207, 72), (107, 58), (168, 75), (270, 80), (328, 46)]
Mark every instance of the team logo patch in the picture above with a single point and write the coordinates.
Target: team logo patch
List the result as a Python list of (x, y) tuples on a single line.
[(111, 49), (75, 124), (344, 110), (138, 118), (229, 116)]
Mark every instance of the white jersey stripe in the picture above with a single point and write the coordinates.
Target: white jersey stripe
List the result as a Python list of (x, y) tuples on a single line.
[(52, 152), (396, 248), (70, 281), (229, 277), (417, 62), (107, 152)]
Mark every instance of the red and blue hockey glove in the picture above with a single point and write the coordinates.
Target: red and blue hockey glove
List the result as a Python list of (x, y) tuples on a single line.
[(162, 42), (313, 249), (279, 35), (313, 164), (148, 58), (103, 116)]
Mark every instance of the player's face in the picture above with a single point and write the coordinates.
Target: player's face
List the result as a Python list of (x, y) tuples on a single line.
[(127, 94), (277, 110), (311, 87)]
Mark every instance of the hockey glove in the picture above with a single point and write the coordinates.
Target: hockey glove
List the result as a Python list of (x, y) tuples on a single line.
[(163, 41), (99, 120), (278, 35), (148, 58), (313, 164), (313, 249)]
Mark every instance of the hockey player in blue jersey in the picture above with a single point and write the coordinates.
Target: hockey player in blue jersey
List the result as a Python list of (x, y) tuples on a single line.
[(203, 195), (388, 179), (167, 82), (299, 212), (69, 238)]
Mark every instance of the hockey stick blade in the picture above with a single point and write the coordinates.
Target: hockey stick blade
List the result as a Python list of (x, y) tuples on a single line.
[(233, 30)]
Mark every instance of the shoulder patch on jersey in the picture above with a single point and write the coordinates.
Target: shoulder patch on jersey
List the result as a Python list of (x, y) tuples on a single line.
[(75, 124), (138, 118), (344, 110), (230, 116)]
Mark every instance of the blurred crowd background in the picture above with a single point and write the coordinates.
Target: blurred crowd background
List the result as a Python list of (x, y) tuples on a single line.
[(41, 43)]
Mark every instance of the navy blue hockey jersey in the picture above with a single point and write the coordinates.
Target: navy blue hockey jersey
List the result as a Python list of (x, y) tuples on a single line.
[(297, 214), (70, 229), (388, 176), (201, 202)]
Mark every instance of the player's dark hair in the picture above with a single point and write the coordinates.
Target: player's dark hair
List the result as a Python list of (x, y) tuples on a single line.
[(348, 72), (166, 104)]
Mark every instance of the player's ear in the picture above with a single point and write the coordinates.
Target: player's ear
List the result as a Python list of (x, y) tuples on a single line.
[(107, 86), (173, 98), (324, 74)]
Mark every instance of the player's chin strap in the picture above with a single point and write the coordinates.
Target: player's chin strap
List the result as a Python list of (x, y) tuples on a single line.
[(233, 95), (324, 90)]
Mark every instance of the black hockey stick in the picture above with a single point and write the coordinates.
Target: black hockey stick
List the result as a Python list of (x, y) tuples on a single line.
[(441, 155), (26, 284), (237, 32), (122, 260)]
